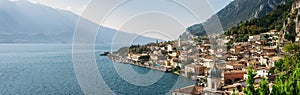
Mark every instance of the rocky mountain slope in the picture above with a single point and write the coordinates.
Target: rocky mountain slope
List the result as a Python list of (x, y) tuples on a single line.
[(235, 12)]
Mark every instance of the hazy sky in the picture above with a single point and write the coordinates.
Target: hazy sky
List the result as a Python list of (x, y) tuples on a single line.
[(145, 17)]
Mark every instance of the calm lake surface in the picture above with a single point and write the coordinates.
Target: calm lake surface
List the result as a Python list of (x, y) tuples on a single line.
[(48, 69)]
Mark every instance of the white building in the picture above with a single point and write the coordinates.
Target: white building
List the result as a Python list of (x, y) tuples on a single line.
[(262, 72), (207, 62), (263, 61), (170, 48)]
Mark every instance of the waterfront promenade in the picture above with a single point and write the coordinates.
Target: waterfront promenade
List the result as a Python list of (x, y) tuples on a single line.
[(120, 59)]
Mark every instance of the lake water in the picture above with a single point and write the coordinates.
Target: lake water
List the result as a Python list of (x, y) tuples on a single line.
[(48, 69)]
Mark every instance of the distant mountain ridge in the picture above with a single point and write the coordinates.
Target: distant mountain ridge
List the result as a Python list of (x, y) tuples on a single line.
[(24, 22), (235, 12)]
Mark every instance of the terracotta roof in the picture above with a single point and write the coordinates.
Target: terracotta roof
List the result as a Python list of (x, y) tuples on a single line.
[(233, 85), (276, 58), (192, 89), (238, 65), (235, 71), (268, 48), (197, 90), (260, 68), (194, 65)]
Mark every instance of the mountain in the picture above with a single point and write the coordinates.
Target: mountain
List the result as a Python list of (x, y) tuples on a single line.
[(275, 21), (234, 13), (24, 22), (284, 20)]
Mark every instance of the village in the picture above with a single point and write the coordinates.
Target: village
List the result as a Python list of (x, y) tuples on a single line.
[(218, 65), (216, 68)]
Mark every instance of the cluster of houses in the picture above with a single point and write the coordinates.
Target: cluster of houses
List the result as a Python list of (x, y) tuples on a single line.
[(160, 57), (217, 69), (207, 59), (260, 51), (226, 72)]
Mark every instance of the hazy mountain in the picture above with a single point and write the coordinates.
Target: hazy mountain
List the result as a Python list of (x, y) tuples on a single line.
[(24, 22), (235, 12)]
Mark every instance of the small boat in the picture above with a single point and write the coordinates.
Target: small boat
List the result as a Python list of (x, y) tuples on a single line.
[(104, 54)]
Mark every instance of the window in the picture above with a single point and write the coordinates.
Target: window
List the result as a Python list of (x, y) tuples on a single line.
[(213, 85)]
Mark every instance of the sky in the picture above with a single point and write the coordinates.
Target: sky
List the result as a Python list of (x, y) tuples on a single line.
[(164, 19)]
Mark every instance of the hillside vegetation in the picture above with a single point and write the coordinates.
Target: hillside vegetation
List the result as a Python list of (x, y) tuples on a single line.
[(272, 20)]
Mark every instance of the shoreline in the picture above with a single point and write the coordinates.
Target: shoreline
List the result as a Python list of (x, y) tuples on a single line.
[(120, 60)]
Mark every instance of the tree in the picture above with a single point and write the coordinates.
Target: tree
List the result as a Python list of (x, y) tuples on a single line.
[(288, 81), (234, 92), (249, 90), (291, 48), (278, 66), (144, 58), (263, 87), (277, 88)]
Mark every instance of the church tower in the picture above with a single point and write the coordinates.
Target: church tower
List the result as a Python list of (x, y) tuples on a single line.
[(179, 42), (214, 80)]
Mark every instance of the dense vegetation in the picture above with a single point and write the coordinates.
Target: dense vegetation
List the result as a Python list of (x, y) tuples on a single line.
[(287, 81), (250, 90), (288, 68), (140, 49), (263, 88), (137, 49)]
